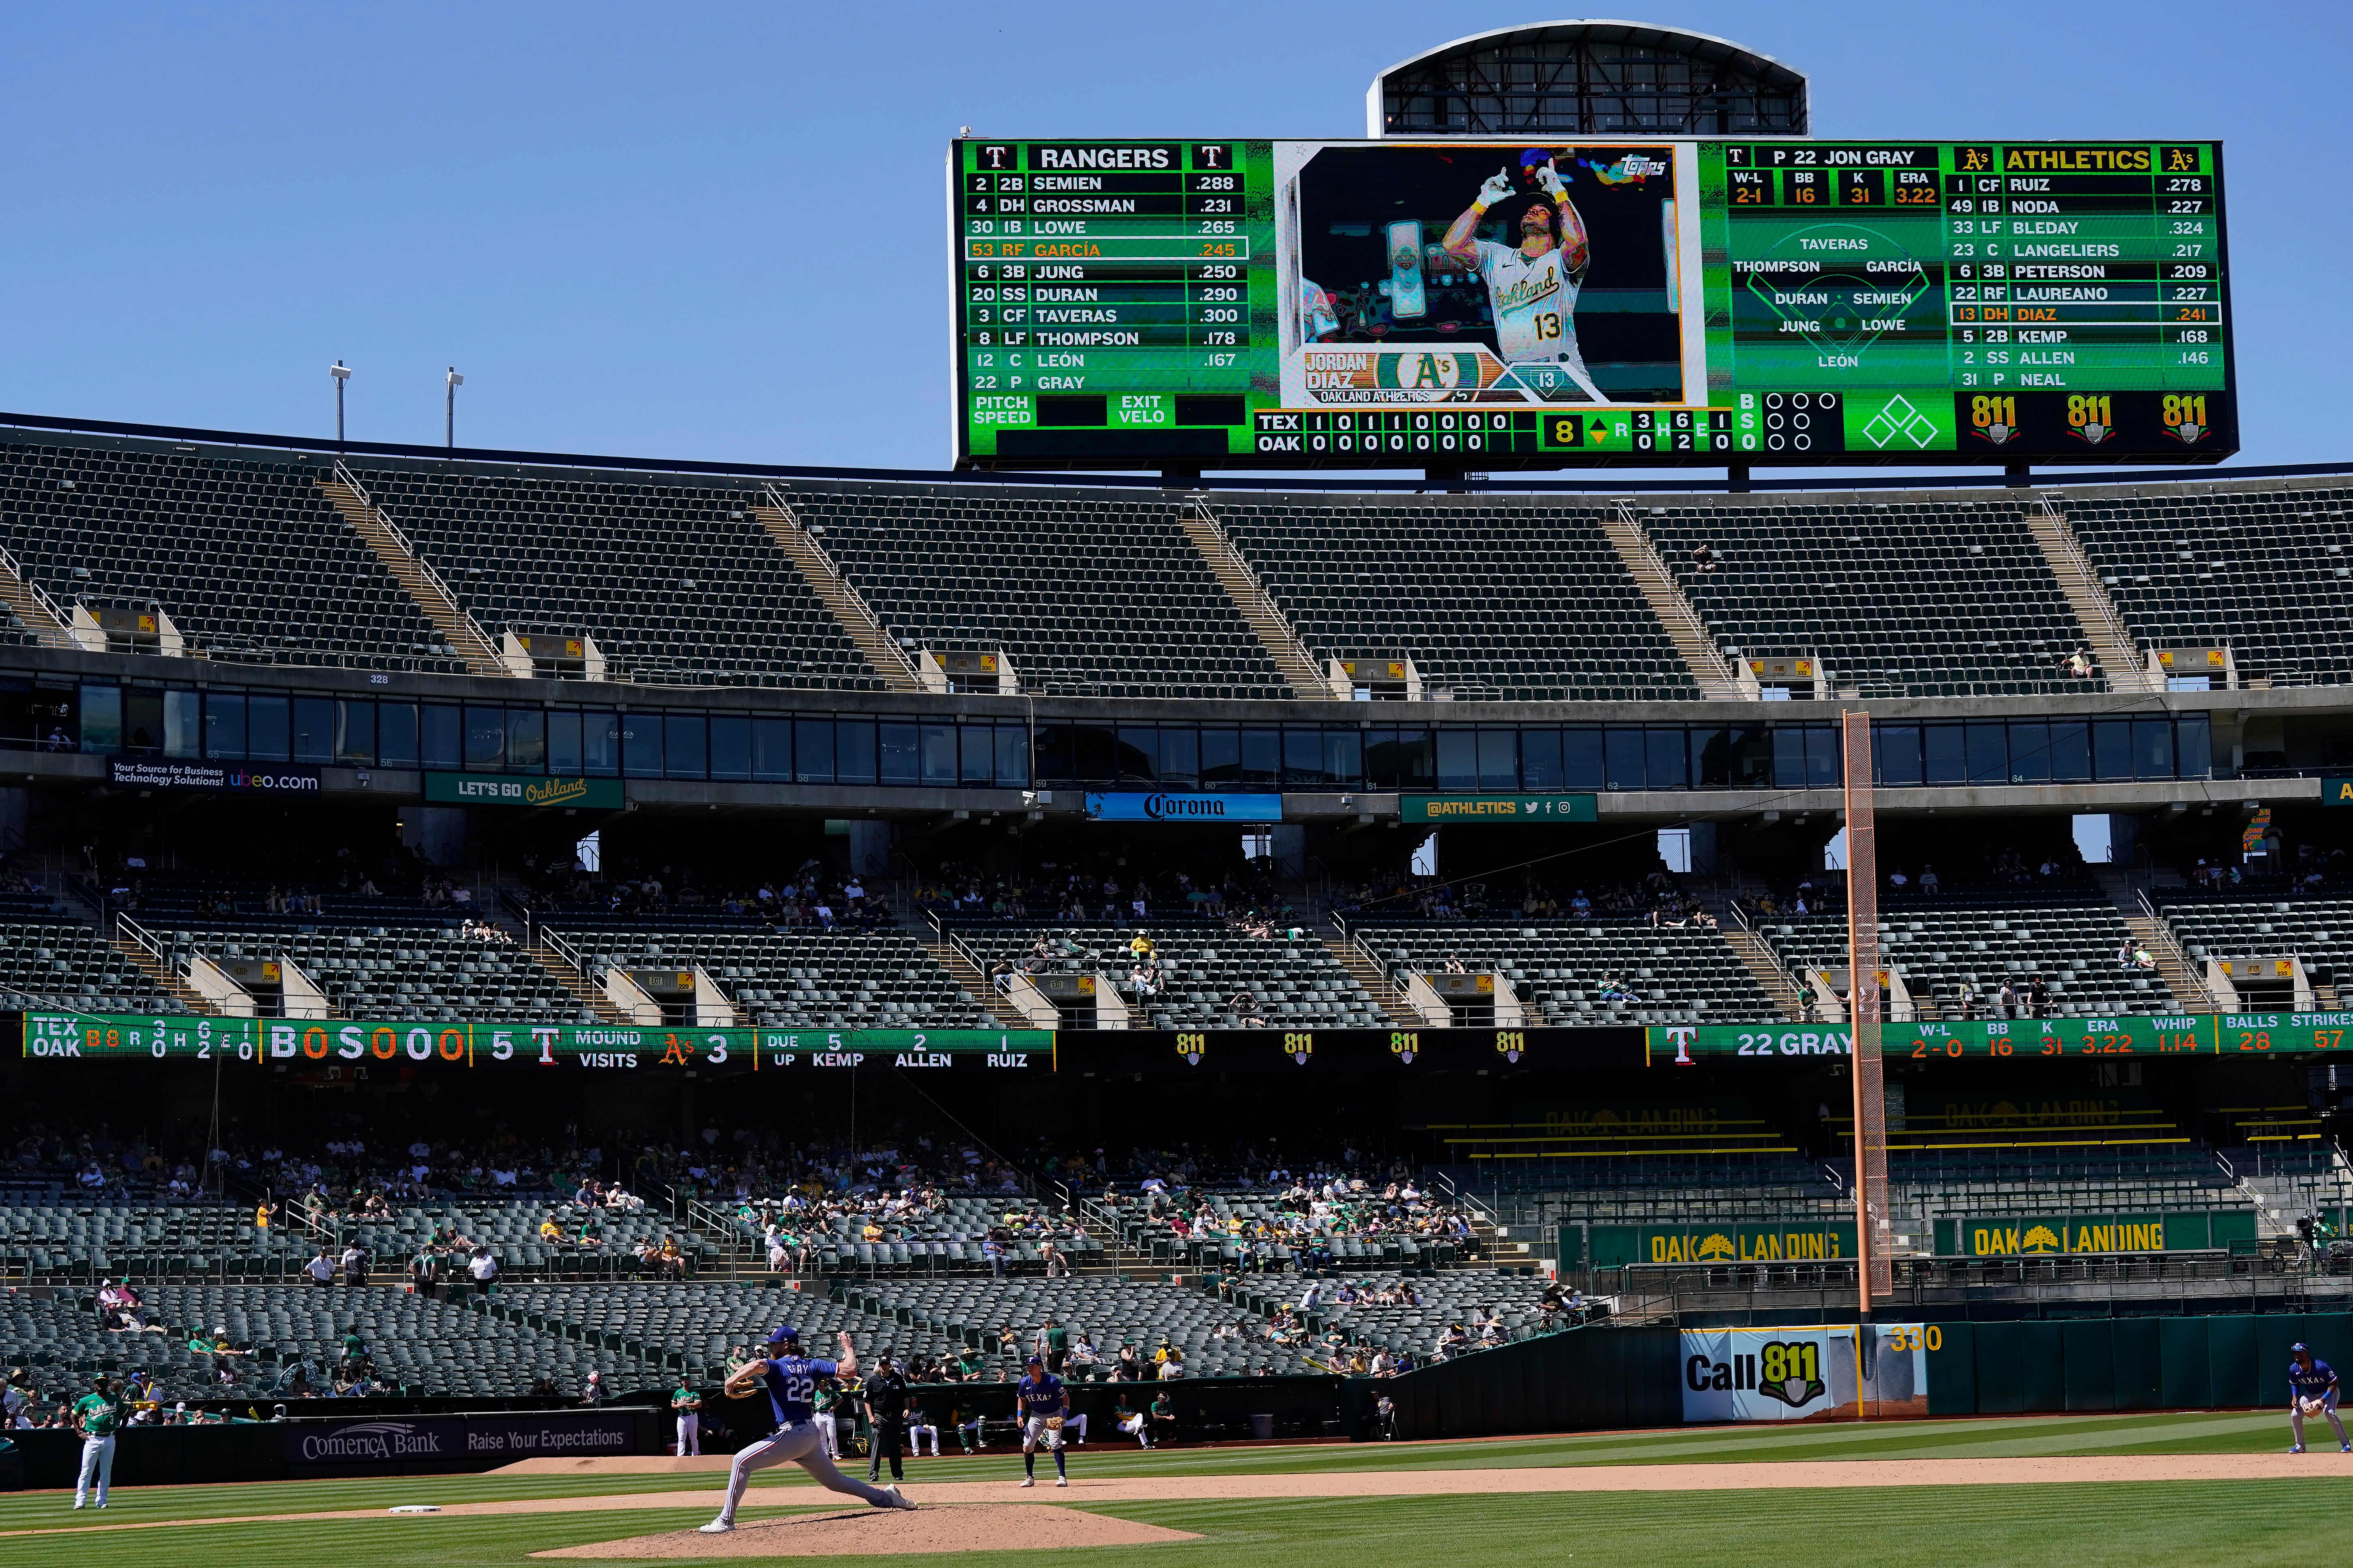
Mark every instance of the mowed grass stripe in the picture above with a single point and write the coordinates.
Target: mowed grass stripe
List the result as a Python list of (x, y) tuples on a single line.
[(2251, 1524), (2196, 1433)]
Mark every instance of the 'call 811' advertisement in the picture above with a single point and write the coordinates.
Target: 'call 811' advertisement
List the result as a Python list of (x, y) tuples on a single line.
[(1835, 1373)]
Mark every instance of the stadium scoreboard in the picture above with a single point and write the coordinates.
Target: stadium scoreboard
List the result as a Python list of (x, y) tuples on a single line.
[(1180, 304)]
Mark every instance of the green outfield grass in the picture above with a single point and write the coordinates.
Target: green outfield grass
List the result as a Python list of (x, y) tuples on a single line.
[(2172, 1523)]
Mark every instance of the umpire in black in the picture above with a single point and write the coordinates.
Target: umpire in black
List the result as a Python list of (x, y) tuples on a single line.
[(886, 1413)]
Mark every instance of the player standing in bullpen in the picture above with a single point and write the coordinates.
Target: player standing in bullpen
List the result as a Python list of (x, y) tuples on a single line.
[(2312, 1391), (789, 1379), (1531, 290), (686, 1403), (1044, 1405), (98, 1416)]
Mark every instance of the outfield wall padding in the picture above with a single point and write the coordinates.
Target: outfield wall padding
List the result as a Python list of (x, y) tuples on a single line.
[(1583, 1380), (2230, 1361)]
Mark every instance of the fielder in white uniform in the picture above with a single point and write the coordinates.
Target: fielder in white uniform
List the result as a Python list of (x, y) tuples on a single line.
[(1531, 290)]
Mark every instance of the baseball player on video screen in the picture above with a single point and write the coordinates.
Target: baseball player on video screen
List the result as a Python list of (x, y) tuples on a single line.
[(1531, 289)]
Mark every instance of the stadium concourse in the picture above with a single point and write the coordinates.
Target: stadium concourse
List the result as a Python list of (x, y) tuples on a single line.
[(593, 911)]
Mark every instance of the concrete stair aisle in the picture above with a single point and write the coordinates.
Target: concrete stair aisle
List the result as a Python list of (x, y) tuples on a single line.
[(559, 969), (1307, 676), (2174, 966), (2104, 630), (414, 572), (39, 612), (883, 655), (160, 974), (1755, 955), (1718, 681), (1374, 980), (968, 976)]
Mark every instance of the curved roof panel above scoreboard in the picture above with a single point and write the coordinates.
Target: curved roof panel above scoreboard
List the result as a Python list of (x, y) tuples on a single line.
[(1587, 78)]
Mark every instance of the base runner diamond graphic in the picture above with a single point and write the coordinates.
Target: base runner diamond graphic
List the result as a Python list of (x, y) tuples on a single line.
[(1899, 421)]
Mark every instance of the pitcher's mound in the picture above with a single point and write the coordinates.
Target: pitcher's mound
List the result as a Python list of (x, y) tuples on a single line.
[(873, 1531)]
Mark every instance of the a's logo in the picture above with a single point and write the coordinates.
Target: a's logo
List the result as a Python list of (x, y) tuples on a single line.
[(1713, 1245), (2039, 1239), (1191, 1047)]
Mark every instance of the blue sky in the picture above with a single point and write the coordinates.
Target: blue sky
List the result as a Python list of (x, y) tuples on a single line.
[(717, 231)]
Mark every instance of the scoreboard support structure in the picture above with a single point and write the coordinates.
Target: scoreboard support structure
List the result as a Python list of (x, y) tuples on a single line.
[(1875, 1277)]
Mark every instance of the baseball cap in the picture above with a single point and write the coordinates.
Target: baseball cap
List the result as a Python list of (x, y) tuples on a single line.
[(782, 1333), (2299, 1347), (1036, 1361)]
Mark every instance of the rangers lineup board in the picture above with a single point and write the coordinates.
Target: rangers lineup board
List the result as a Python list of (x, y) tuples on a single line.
[(1504, 305)]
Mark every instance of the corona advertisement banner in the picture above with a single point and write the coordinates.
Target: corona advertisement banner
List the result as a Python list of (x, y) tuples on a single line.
[(1832, 1372)]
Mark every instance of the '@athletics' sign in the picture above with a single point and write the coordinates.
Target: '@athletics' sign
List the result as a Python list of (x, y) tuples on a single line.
[(2180, 1034), (334, 1044)]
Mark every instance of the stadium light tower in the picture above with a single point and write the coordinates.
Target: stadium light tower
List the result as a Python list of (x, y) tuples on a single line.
[(449, 412), (342, 372)]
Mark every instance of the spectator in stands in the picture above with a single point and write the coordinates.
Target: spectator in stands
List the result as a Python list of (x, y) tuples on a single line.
[(318, 1269), (1705, 559), (355, 1265), (2078, 665), (594, 1393), (484, 1269), (1929, 885)]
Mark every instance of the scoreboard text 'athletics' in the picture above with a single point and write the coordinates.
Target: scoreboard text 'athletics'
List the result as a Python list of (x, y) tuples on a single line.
[(1534, 305)]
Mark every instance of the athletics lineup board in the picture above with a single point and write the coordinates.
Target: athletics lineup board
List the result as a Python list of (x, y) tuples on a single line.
[(1503, 305)]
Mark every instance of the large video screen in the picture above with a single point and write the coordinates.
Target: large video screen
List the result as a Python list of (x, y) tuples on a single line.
[(1499, 305)]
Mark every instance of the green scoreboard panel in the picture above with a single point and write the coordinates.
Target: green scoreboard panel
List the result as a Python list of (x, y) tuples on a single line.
[(1500, 305)]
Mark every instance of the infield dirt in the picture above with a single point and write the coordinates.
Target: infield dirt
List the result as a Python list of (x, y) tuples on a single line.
[(1795, 1475), (868, 1533)]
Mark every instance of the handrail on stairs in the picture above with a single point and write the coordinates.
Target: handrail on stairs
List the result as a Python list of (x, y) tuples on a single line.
[(2173, 946), (1692, 624), (848, 596), (2119, 634), (425, 568), (1260, 599)]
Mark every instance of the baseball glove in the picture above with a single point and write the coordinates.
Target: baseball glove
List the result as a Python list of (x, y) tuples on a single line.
[(2312, 1407), (1053, 1423)]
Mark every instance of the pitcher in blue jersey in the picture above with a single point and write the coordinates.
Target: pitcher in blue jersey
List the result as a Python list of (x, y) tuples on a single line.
[(789, 1379)]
